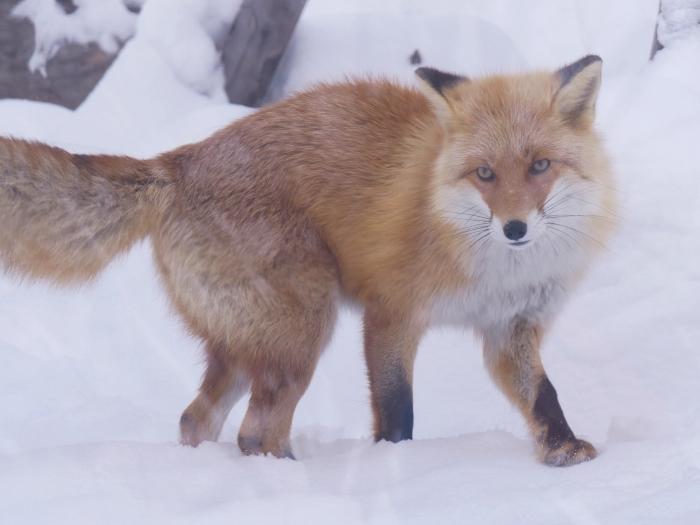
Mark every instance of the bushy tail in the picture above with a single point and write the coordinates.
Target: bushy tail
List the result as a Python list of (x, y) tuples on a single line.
[(65, 217)]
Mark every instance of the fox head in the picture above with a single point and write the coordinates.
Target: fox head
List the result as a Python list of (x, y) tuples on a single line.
[(520, 165)]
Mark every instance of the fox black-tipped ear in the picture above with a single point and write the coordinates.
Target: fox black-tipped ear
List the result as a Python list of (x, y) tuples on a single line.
[(438, 80), (578, 86), (437, 87)]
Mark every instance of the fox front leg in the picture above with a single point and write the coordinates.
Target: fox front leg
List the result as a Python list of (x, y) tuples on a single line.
[(391, 341), (512, 355)]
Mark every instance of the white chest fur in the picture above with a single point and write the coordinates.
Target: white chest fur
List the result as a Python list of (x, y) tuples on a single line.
[(506, 283)]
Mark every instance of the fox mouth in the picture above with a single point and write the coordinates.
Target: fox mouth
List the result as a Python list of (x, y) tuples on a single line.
[(518, 243)]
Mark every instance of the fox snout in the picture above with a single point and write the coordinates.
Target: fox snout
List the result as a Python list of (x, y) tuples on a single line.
[(516, 232)]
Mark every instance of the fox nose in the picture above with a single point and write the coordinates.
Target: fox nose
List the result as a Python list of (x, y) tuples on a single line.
[(515, 230)]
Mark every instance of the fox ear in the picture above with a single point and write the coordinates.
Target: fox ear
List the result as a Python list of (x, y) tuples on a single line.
[(438, 87), (577, 90), (439, 81)]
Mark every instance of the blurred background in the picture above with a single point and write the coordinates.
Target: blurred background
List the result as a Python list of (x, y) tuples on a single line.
[(93, 381)]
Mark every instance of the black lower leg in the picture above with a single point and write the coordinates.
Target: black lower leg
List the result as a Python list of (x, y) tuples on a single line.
[(548, 413), (395, 411)]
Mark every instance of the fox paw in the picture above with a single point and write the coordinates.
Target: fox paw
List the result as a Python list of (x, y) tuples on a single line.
[(253, 446), (570, 453), (195, 429)]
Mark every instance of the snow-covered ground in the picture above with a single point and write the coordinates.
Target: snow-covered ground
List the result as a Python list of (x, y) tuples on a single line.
[(93, 380)]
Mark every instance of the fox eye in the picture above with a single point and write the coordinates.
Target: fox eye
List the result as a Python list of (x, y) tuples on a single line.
[(485, 173), (539, 166)]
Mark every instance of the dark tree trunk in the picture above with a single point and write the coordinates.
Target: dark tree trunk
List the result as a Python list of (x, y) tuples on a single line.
[(255, 45)]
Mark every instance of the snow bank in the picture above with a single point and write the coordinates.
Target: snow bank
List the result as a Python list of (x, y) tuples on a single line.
[(93, 381), (187, 35), (164, 89), (679, 19), (106, 22)]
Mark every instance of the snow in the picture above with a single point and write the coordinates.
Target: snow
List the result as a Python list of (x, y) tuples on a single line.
[(107, 23), (678, 19), (187, 38), (93, 380)]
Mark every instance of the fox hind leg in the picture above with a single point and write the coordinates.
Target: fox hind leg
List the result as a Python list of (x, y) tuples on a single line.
[(270, 298), (278, 383), (267, 423), (224, 383)]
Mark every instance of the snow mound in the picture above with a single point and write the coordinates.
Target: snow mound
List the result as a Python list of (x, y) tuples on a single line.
[(678, 19), (188, 37), (106, 22)]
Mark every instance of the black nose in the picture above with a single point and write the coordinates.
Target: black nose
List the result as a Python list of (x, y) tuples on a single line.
[(515, 230)]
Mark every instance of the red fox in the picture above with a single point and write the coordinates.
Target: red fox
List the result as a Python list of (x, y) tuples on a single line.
[(471, 201)]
